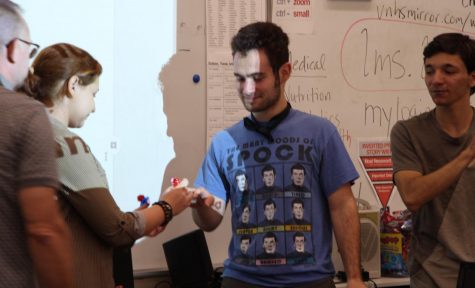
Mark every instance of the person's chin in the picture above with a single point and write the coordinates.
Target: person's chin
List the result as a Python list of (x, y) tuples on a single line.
[(248, 107), (83, 121), (252, 105), (79, 124)]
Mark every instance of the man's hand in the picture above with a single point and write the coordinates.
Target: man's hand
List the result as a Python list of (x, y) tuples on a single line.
[(203, 198)]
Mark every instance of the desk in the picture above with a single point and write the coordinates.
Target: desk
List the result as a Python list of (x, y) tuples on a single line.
[(383, 282)]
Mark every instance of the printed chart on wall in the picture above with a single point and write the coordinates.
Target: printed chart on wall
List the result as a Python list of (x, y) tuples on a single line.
[(375, 158), (223, 20)]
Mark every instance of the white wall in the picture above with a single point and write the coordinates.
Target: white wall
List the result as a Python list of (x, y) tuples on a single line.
[(132, 40)]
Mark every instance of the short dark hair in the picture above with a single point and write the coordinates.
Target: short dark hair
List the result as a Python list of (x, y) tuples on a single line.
[(239, 173), (246, 237), (454, 44), (297, 201), (297, 166), (269, 202), (298, 234), (244, 206), (266, 36), (269, 235), (268, 168)]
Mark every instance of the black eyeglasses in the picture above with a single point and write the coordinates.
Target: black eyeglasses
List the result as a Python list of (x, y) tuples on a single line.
[(33, 46)]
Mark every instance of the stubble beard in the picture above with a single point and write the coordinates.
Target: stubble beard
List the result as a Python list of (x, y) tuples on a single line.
[(268, 103)]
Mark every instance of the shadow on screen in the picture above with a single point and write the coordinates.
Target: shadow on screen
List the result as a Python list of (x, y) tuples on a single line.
[(188, 260), (182, 125)]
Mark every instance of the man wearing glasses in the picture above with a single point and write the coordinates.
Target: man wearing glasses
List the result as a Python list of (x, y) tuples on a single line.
[(36, 244), (33, 46), (17, 50)]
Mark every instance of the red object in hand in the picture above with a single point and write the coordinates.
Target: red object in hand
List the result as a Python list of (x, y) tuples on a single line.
[(140, 197), (175, 181)]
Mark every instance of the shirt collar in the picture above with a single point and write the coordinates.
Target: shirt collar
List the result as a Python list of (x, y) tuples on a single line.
[(265, 128)]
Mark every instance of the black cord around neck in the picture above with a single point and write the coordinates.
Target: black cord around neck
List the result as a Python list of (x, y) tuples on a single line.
[(265, 128)]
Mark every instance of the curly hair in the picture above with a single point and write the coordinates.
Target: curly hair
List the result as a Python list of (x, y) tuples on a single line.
[(266, 36)]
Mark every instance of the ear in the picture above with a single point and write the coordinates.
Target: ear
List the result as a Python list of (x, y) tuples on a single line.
[(73, 84), (472, 79), (284, 72), (11, 50)]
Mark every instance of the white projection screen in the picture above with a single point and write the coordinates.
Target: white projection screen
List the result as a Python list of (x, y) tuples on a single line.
[(132, 40)]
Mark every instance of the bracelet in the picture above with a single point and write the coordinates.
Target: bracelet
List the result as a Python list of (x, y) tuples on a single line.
[(167, 210)]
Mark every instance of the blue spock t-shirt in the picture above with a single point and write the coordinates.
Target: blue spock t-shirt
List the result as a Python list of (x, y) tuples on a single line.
[(278, 192)]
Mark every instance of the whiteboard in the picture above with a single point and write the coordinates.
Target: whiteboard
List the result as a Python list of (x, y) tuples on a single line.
[(358, 63)]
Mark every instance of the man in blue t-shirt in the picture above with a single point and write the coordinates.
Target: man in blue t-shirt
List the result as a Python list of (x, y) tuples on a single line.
[(306, 152)]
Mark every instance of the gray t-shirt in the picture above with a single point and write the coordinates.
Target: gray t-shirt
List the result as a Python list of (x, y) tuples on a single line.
[(26, 160), (443, 229)]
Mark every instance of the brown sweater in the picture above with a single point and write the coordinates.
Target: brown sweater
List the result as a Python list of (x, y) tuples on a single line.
[(96, 222)]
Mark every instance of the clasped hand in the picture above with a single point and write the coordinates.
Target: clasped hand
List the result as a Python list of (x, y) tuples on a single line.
[(181, 198)]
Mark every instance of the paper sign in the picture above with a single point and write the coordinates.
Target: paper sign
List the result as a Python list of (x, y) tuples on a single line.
[(375, 158)]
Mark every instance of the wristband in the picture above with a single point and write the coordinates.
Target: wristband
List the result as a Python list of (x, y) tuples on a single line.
[(167, 210)]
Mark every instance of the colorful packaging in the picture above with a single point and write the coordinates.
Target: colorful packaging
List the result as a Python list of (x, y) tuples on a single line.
[(395, 242)]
